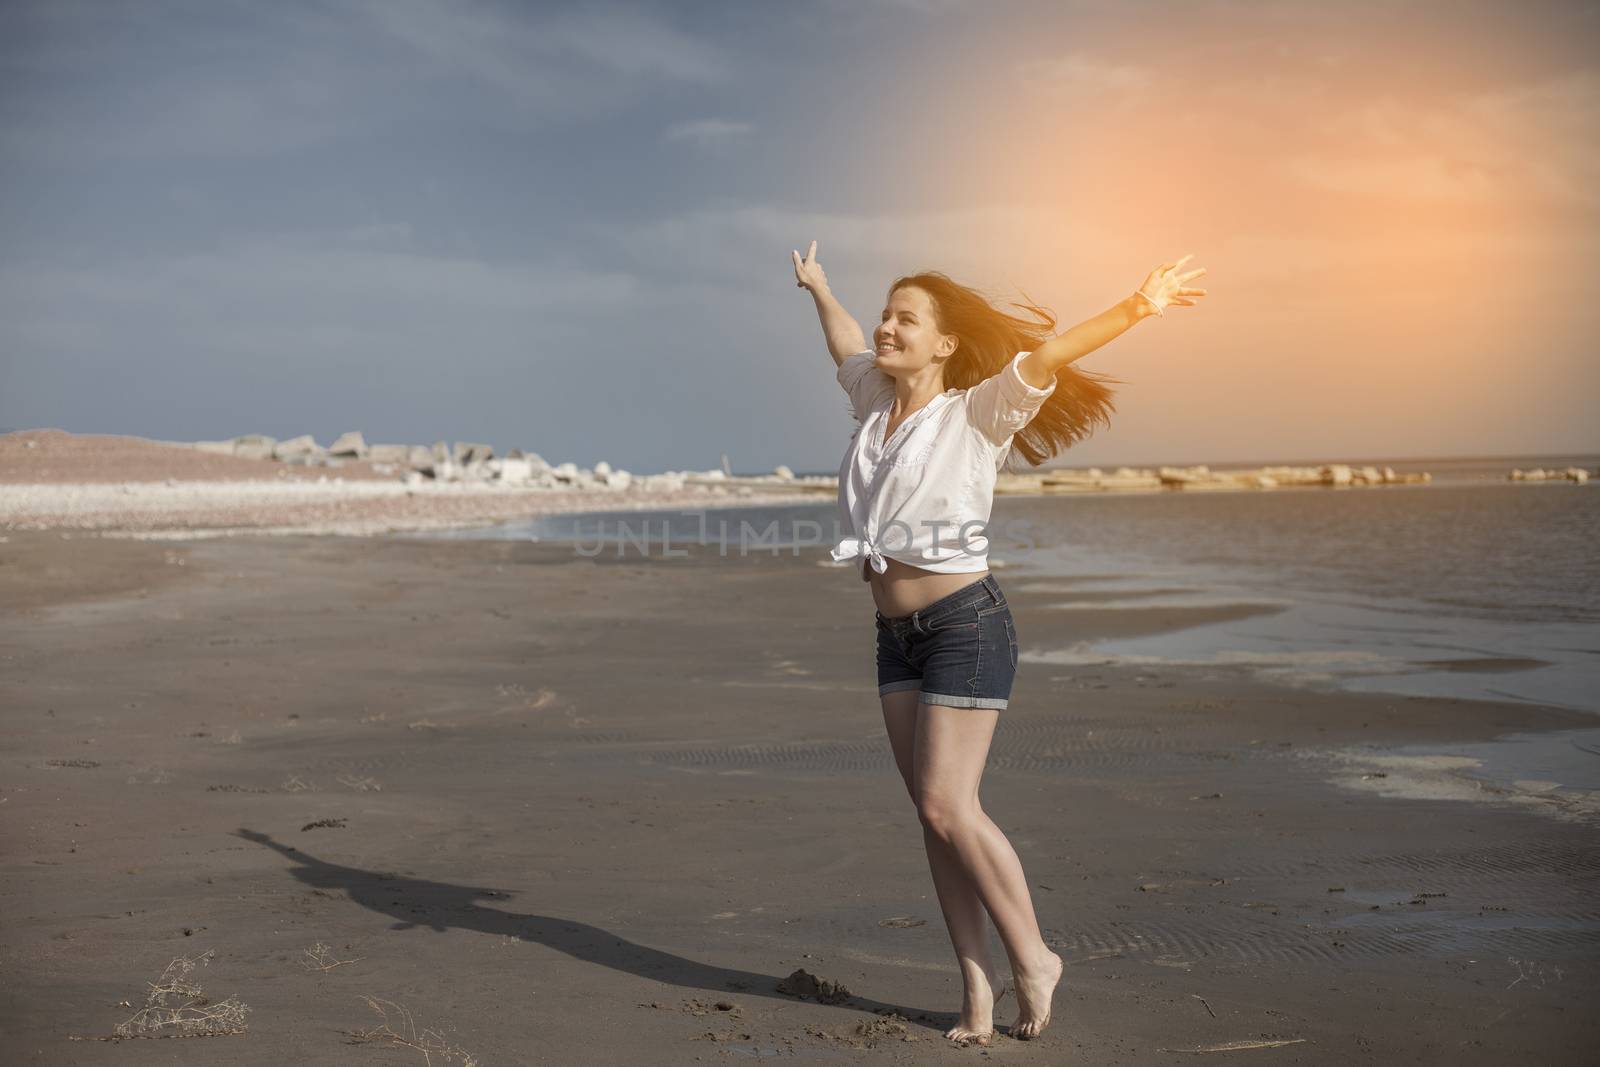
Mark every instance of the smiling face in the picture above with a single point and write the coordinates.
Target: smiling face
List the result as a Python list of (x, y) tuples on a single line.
[(908, 338)]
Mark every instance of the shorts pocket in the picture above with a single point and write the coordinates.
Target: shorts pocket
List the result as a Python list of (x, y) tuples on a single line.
[(954, 621)]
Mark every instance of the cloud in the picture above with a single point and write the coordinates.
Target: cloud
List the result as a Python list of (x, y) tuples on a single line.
[(706, 131), (94, 81), (748, 245), (1083, 75), (304, 299), (515, 54), (1425, 177), (1505, 143)]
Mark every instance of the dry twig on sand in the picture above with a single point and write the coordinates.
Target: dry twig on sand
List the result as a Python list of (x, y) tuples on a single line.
[(320, 957), (1235, 1046), (399, 1030), (175, 1007)]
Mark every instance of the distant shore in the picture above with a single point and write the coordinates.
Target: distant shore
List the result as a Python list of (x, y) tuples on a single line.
[(133, 487)]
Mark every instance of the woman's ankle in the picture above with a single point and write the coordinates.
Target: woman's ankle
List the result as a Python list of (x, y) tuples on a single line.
[(1039, 962), (971, 972)]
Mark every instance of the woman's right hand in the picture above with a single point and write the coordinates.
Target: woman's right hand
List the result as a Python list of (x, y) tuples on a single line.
[(808, 272)]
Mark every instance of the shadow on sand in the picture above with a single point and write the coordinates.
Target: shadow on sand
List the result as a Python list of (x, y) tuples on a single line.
[(415, 902)]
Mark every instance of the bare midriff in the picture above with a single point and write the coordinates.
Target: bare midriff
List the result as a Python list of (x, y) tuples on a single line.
[(902, 588)]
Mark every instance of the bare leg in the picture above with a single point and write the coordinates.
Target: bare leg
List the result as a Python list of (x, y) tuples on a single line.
[(949, 751), (963, 909)]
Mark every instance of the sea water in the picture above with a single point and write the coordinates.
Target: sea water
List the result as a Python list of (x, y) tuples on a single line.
[(1469, 586)]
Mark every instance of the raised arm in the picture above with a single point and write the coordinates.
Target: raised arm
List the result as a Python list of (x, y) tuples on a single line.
[(1163, 287), (842, 332)]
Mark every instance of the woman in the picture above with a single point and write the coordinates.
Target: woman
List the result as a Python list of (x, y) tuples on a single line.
[(949, 387)]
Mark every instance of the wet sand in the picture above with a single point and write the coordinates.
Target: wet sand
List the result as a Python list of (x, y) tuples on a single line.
[(561, 809)]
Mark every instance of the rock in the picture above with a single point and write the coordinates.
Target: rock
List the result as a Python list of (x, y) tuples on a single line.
[(420, 458), (516, 470), (671, 482), (254, 446), (783, 473), (389, 453), (299, 448), (1336, 474), (1263, 481), (1182, 476), (1576, 474), (606, 475), (351, 445), (1175, 476), (468, 453), (1128, 478), (215, 448), (441, 452)]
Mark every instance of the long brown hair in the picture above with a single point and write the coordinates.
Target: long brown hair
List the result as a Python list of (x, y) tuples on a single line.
[(988, 339)]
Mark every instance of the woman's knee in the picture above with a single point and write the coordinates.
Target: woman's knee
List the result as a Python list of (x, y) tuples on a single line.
[(942, 813)]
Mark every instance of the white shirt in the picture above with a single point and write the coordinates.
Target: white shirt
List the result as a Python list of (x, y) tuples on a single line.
[(923, 497)]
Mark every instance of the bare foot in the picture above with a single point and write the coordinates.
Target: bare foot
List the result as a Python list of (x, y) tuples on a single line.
[(976, 1024), (1034, 994)]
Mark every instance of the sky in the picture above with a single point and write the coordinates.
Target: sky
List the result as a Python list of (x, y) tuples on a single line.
[(567, 227)]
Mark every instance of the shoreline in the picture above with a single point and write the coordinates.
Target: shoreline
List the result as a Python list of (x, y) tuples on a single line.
[(200, 509)]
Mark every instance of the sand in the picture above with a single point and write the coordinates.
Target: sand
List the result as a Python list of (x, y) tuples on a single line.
[(573, 811)]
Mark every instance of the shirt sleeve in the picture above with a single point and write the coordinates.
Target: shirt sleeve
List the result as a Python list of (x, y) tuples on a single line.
[(865, 383), (1001, 405)]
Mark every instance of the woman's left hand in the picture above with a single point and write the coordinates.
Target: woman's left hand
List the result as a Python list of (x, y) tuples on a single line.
[(1165, 285)]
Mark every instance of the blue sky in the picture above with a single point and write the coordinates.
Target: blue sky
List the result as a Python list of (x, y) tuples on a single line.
[(567, 227)]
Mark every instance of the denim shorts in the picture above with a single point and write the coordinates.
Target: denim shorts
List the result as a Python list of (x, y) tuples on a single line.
[(961, 650)]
